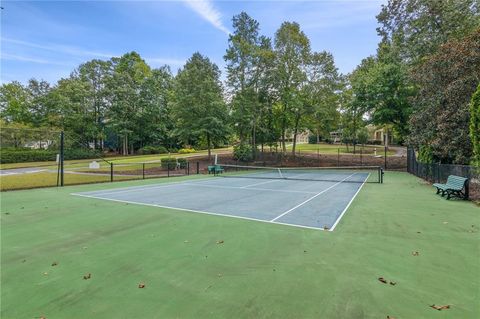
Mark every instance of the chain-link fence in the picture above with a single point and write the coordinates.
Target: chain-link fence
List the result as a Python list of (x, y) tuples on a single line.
[(438, 173)]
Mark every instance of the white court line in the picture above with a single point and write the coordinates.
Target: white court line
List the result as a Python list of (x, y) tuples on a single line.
[(349, 203), (196, 211), (306, 201), (143, 187), (250, 188)]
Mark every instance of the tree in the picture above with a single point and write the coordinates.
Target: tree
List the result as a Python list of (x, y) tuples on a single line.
[(14, 103), (129, 74), (199, 108), (475, 126), (156, 102), (292, 53), (417, 28), (248, 58), (323, 87), (381, 87), (441, 114)]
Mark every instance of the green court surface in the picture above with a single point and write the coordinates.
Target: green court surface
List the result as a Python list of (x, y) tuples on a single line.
[(203, 266)]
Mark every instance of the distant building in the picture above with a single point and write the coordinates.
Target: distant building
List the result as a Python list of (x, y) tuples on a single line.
[(381, 134)]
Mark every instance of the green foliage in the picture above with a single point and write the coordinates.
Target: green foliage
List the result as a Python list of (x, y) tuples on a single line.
[(362, 136), (243, 152), (475, 126), (168, 162), (417, 28), (441, 116), (199, 109), (152, 150), (182, 162), (186, 150), (425, 154), (312, 139), (23, 155)]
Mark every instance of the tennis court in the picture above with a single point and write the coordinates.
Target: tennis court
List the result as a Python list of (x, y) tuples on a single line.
[(303, 197)]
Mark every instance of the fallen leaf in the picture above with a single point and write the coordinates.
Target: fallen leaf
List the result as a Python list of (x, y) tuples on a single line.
[(440, 307), (141, 285), (381, 279), (415, 253), (390, 317), (325, 228), (87, 276), (45, 273), (393, 283), (54, 263), (220, 241)]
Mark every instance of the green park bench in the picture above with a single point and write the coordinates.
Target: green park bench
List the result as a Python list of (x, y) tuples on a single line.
[(454, 187), (215, 169)]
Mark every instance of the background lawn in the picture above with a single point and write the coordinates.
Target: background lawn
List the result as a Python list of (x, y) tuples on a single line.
[(333, 149), (259, 271)]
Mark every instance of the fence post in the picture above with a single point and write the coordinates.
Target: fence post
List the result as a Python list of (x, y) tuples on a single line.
[(188, 168), (62, 156), (385, 158), (198, 167), (361, 157), (168, 169), (143, 170), (111, 172), (338, 157)]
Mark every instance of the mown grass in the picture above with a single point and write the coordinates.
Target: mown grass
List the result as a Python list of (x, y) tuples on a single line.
[(333, 149), (201, 266), (116, 160)]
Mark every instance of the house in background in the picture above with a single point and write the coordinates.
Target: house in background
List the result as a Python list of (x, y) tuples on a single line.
[(383, 134)]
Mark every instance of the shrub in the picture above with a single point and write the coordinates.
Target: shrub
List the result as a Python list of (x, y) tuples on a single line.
[(242, 152), (425, 154), (22, 155), (152, 150), (169, 162), (312, 139), (186, 150), (374, 142), (182, 162)]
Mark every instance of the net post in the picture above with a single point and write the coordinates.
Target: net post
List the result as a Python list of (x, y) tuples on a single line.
[(111, 172), (143, 170), (62, 155)]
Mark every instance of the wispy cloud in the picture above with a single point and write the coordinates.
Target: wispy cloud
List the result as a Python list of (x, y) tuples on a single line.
[(207, 10), (14, 57), (59, 48)]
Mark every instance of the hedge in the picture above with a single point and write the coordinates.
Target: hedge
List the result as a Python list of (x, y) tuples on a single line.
[(169, 162), (12, 155), (152, 150)]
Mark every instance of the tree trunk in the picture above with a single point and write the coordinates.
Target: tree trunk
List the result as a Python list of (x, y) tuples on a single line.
[(295, 133)]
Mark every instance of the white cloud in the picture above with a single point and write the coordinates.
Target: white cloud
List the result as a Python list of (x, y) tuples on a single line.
[(207, 11)]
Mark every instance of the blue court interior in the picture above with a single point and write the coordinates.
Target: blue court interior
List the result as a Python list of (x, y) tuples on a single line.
[(313, 204)]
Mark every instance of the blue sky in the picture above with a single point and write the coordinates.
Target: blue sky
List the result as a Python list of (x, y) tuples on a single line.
[(48, 39)]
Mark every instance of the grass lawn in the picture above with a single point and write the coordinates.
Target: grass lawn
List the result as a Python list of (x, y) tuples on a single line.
[(333, 149), (260, 270), (116, 159)]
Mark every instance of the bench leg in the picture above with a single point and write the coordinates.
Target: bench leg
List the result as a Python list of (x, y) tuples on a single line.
[(438, 191)]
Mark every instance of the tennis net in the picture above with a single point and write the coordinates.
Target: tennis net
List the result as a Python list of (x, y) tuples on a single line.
[(354, 174)]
